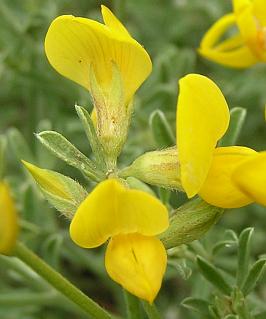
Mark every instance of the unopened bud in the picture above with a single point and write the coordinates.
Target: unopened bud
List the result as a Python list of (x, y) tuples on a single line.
[(62, 192), (160, 168), (190, 222)]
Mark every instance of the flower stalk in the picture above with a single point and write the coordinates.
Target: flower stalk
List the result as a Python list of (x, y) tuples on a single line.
[(60, 283)]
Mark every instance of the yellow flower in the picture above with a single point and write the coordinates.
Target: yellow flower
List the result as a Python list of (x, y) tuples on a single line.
[(108, 62), (8, 220), (226, 177), (74, 45), (250, 177), (135, 258), (245, 47)]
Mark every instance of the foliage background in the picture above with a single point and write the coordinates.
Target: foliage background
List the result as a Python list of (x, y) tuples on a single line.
[(33, 97)]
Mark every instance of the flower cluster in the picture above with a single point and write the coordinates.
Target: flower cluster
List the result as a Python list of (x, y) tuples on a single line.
[(111, 65)]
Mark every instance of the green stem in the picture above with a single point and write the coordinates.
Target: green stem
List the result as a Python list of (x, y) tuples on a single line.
[(60, 283), (133, 306), (151, 310)]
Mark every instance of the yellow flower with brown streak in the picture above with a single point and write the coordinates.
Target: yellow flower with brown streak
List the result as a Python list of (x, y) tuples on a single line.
[(226, 177), (245, 47), (8, 220), (130, 219)]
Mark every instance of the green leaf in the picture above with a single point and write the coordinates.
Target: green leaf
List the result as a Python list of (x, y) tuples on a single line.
[(198, 305), (89, 129), (243, 255), (231, 317), (63, 149), (253, 276), (213, 276), (238, 115), (161, 129)]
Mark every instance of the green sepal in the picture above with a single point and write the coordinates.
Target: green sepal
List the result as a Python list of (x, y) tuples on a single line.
[(113, 114), (90, 131), (63, 149), (190, 222)]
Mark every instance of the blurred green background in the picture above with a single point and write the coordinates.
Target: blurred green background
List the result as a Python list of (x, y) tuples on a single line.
[(33, 97)]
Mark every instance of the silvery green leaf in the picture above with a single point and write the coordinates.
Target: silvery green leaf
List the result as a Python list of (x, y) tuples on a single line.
[(243, 255), (253, 276), (89, 128), (67, 152)]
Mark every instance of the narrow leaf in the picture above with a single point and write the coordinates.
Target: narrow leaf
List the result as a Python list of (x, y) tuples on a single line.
[(243, 255), (238, 115), (253, 276), (89, 129), (161, 129), (63, 149), (213, 276)]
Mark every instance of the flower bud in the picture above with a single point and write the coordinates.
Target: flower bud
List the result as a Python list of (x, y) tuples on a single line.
[(190, 222), (160, 168), (62, 192), (8, 221)]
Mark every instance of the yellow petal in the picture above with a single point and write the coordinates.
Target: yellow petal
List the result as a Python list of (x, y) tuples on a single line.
[(73, 44), (202, 119), (250, 177), (8, 220), (259, 9), (219, 189), (232, 52), (113, 23), (137, 263), (249, 26), (112, 209), (216, 31)]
